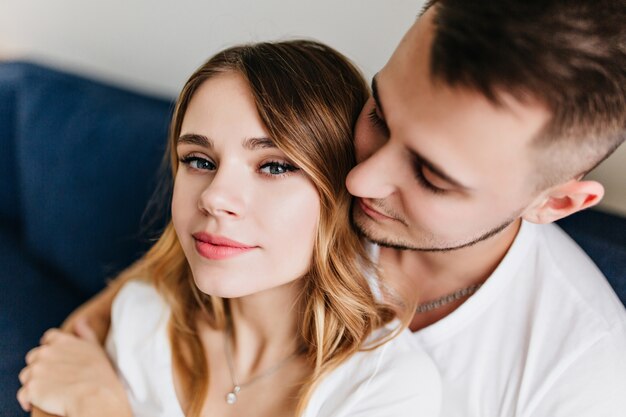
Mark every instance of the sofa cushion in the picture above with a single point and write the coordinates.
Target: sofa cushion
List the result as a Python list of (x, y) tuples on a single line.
[(603, 237), (9, 192), (88, 158), (31, 301)]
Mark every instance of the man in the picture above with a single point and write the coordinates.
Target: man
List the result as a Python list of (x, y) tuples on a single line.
[(482, 126)]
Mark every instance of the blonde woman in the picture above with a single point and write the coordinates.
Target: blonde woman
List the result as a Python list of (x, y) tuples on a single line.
[(257, 299)]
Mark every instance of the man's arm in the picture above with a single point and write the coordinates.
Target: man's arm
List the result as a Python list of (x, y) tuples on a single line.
[(96, 312)]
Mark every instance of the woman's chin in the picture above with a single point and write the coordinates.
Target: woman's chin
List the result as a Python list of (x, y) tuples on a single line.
[(222, 287)]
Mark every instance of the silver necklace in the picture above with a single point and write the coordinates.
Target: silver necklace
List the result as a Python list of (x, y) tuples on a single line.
[(447, 299), (231, 397)]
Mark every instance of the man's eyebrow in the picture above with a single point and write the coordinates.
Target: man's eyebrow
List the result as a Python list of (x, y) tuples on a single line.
[(250, 144), (376, 97), (421, 160)]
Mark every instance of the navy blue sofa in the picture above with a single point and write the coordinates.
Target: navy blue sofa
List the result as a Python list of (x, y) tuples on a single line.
[(78, 163)]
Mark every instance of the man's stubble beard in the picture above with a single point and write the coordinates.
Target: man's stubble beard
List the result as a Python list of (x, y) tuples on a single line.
[(360, 226)]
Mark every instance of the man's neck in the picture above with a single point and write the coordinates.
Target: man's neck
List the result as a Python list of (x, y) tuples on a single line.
[(420, 276)]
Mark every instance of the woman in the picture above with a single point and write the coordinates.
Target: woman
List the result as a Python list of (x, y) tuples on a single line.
[(256, 299)]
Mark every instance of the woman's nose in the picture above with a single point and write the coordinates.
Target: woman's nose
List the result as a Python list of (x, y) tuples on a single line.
[(225, 195)]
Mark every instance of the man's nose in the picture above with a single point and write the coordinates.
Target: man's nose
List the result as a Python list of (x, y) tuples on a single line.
[(374, 177)]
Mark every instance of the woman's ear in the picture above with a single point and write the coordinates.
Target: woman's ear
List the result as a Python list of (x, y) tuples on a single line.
[(562, 200)]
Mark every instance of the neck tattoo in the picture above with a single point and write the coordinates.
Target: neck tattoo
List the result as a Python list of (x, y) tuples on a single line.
[(447, 299), (232, 396)]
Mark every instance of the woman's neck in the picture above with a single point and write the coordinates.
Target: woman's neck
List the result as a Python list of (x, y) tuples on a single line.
[(254, 353), (264, 328)]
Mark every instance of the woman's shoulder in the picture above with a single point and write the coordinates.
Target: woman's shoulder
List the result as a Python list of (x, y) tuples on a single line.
[(396, 378), (138, 310), (138, 345), (137, 294)]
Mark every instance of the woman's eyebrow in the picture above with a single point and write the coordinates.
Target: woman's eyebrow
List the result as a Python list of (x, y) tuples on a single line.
[(195, 139), (249, 143), (252, 144)]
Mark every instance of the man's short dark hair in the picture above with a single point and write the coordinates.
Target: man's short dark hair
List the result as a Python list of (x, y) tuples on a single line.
[(568, 54)]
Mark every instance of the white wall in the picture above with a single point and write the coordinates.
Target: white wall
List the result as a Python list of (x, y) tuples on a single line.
[(612, 173), (153, 45)]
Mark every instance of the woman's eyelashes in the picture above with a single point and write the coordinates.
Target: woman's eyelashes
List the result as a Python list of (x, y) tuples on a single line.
[(276, 168), (197, 162), (268, 168)]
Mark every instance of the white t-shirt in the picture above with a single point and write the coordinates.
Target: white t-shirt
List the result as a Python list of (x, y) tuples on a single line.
[(397, 379), (545, 336)]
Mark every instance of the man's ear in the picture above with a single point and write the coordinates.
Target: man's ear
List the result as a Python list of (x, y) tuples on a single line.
[(562, 200)]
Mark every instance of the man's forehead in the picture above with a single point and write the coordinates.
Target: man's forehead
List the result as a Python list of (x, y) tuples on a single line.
[(427, 115), (410, 63), (404, 81), (416, 42), (407, 76)]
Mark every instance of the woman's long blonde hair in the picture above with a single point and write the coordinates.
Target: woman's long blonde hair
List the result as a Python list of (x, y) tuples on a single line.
[(308, 96)]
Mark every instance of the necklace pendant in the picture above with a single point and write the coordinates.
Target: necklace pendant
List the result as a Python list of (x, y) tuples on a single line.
[(231, 397)]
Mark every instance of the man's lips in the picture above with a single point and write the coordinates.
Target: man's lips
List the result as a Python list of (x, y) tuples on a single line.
[(218, 247), (371, 212)]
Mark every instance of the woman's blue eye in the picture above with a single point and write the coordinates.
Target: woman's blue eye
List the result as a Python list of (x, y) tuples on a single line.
[(198, 163), (277, 168)]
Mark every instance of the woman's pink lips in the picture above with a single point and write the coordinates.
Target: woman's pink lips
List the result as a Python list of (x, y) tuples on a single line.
[(373, 213), (217, 247)]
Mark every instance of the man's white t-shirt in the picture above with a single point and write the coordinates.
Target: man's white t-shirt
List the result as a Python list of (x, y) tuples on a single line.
[(396, 379), (545, 336)]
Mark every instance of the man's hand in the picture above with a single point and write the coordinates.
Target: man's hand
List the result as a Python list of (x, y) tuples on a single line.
[(71, 376), (96, 312)]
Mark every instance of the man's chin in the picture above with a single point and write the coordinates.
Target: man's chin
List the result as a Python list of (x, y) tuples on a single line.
[(370, 230), (366, 232), (392, 243)]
